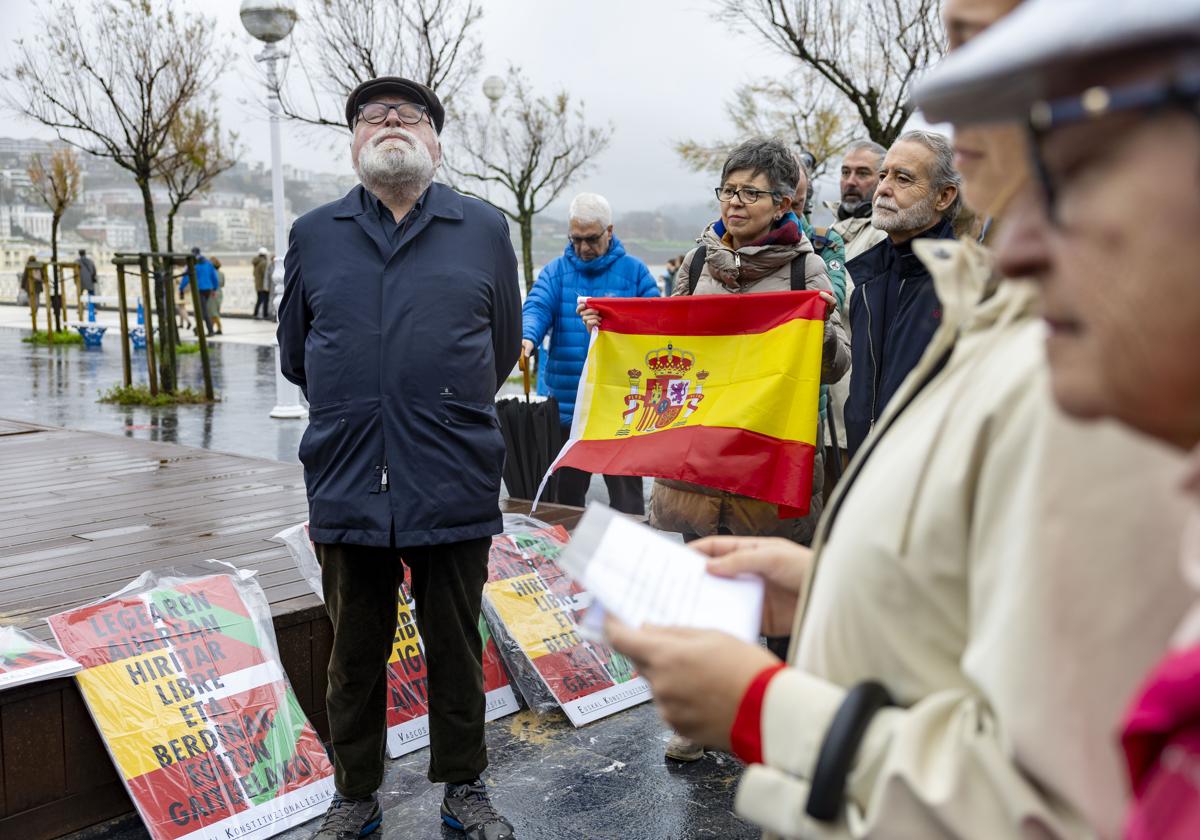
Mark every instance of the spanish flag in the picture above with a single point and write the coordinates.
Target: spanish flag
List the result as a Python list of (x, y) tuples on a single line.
[(719, 390)]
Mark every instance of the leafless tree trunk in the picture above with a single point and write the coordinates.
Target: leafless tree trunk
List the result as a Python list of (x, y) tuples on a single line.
[(197, 155), (339, 44), (57, 186), (866, 50), (116, 87), (521, 157)]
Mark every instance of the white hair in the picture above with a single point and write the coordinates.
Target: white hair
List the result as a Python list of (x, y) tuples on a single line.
[(590, 207)]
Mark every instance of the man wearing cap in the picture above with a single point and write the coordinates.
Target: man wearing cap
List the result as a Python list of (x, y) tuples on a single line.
[(400, 320), (1111, 100)]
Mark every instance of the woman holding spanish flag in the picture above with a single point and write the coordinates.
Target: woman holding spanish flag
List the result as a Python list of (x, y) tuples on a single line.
[(757, 245)]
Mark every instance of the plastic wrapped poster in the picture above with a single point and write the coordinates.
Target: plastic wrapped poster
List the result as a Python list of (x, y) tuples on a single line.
[(23, 659), (182, 678), (534, 609), (408, 699)]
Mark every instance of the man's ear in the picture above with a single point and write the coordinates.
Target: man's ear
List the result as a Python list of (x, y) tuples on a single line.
[(949, 193)]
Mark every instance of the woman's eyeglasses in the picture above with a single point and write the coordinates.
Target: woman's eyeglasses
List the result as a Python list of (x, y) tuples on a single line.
[(746, 195)]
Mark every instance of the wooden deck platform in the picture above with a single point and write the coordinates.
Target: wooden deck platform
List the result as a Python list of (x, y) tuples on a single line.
[(84, 514)]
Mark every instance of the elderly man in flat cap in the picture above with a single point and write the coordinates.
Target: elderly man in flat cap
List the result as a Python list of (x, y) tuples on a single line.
[(400, 320), (1111, 98)]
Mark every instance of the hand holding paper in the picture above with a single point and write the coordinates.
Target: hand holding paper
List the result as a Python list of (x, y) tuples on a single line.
[(641, 577)]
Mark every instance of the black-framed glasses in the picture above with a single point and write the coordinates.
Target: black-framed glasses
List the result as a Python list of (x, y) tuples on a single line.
[(409, 113), (746, 195), (1095, 103), (591, 241)]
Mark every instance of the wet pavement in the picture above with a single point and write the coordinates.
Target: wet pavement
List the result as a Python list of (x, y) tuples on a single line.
[(606, 780), (59, 386)]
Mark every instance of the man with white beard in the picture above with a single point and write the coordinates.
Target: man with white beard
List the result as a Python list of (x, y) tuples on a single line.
[(894, 310), (400, 320)]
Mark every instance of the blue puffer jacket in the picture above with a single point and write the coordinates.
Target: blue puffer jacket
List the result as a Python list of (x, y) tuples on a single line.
[(206, 277), (551, 305)]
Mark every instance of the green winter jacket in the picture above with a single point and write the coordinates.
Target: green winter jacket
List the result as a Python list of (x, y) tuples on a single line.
[(830, 246)]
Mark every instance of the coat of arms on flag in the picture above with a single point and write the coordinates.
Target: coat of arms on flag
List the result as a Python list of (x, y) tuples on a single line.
[(719, 390)]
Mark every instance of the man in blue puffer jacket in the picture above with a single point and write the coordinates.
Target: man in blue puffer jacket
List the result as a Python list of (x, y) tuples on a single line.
[(594, 264), (207, 282)]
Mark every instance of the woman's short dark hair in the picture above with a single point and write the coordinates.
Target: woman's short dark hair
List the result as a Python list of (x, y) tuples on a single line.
[(766, 157)]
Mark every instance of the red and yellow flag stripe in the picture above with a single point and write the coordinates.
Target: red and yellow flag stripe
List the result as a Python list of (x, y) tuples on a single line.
[(718, 390)]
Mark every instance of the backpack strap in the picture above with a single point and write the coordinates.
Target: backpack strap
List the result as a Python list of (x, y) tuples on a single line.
[(798, 282), (694, 268)]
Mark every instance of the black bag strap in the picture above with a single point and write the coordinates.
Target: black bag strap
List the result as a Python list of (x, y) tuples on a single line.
[(694, 268), (798, 282), (839, 748), (697, 264)]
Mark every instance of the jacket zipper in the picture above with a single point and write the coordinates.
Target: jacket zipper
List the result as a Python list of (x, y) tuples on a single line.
[(383, 484), (874, 361)]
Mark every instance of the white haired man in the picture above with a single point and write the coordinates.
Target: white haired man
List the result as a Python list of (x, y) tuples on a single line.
[(402, 462), (594, 264)]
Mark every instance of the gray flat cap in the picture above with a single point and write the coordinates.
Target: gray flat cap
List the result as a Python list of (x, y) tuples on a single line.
[(1001, 73)]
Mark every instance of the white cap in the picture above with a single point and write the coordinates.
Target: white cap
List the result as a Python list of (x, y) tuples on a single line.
[(1003, 71), (263, 251)]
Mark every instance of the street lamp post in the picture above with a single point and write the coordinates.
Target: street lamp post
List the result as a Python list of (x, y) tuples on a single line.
[(270, 21)]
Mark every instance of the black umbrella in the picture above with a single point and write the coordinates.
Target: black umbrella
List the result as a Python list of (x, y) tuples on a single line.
[(533, 437)]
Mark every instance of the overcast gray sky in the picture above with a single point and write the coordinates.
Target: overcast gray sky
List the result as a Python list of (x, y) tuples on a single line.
[(658, 70)]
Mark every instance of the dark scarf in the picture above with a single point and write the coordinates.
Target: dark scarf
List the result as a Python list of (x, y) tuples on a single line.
[(862, 211)]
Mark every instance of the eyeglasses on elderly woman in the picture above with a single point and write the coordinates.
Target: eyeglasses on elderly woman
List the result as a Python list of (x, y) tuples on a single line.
[(746, 195)]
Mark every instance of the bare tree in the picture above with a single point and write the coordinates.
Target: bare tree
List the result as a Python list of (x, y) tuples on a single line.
[(198, 154), (867, 50), (784, 111), (520, 158), (342, 43), (57, 185), (115, 87)]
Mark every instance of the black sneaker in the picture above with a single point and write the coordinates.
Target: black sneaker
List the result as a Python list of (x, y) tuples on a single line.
[(468, 809), (349, 819)]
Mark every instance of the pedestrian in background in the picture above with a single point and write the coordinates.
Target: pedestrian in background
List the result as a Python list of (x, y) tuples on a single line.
[(87, 273), (262, 284), (207, 282), (218, 296)]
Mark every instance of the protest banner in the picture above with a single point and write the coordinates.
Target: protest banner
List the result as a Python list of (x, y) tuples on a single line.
[(23, 659), (182, 678), (533, 608), (408, 698)]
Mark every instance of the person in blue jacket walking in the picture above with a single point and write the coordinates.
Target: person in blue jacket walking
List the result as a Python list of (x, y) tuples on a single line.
[(207, 282), (594, 264)]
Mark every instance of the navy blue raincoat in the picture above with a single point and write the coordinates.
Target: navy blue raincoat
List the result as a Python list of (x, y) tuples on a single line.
[(894, 311), (400, 346)]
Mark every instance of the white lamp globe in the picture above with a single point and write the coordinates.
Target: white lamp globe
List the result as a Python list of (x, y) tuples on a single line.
[(268, 20)]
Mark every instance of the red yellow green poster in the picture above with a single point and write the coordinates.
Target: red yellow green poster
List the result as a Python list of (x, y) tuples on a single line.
[(183, 680), (533, 607), (408, 699), (23, 659)]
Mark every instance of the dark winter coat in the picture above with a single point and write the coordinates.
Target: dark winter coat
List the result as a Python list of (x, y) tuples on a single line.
[(894, 311), (87, 274), (400, 349)]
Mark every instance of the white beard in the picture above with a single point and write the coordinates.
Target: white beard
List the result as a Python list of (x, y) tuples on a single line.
[(394, 167), (917, 217)]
